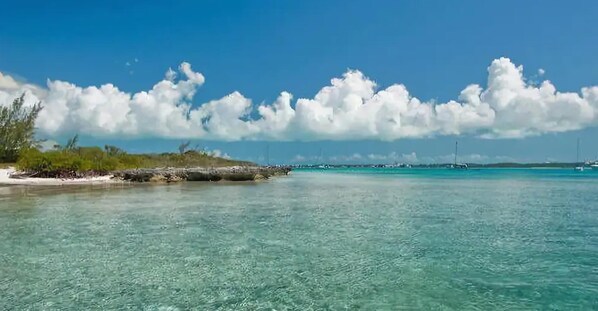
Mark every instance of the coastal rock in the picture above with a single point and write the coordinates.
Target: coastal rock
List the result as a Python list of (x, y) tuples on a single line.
[(234, 173)]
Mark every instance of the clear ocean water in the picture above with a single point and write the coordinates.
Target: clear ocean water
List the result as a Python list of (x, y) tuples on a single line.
[(353, 239)]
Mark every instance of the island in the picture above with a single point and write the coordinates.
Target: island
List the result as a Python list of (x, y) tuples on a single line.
[(23, 160)]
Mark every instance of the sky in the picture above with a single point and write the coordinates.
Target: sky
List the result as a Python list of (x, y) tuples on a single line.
[(311, 81)]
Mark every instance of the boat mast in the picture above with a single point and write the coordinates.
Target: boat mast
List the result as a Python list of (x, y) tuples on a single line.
[(577, 157), (456, 145), (321, 156)]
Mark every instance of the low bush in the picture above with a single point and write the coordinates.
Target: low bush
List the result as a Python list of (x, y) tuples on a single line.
[(92, 161)]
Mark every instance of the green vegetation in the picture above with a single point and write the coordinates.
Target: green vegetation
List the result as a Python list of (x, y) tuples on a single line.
[(90, 161), (17, 129)]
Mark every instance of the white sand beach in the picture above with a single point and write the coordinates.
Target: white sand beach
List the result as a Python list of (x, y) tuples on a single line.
[(5, 179)]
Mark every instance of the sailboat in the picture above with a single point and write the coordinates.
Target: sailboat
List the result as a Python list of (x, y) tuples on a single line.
[(578, 167), (456, 165), (593, 164)]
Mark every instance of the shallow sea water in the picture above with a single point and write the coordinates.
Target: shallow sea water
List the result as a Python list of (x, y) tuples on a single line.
[(369, 239)]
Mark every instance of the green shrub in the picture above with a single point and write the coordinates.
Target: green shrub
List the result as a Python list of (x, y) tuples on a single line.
[(17, 128), (80, 161)]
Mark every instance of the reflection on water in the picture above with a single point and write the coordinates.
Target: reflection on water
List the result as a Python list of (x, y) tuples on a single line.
[(314, 240)]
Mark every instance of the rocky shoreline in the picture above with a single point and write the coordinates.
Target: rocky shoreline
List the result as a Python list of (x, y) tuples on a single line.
[(235, 173), (10, 176)]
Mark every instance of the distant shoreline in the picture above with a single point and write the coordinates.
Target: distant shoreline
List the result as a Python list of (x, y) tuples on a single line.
[(556, 165)]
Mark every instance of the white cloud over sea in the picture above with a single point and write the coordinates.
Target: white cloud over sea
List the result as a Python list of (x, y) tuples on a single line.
[(352, 107)]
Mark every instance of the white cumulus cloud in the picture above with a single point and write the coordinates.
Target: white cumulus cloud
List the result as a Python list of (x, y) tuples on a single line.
[(394, 157), (352, 107)]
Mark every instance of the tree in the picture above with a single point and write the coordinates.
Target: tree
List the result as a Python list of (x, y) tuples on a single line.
[(17, 128), (113, 151), (71, 144), (183, 147)]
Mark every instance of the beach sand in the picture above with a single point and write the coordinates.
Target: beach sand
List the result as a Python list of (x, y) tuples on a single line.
[(6, 180)]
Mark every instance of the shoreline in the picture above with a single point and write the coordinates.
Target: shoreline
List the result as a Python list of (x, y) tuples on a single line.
[(6, 180), (155, 175), (212, 174)]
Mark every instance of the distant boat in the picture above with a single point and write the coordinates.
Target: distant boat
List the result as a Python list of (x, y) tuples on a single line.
[(594, 165), (459, 166), (578, 167), (462, 166), (397, 165)]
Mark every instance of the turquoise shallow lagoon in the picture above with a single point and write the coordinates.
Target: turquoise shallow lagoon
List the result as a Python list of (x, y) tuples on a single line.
[(370, 239)]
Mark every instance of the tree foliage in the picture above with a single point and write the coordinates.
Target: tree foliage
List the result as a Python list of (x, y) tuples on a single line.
[(113, 150), (17, 128), (184, 146), (72, 143)]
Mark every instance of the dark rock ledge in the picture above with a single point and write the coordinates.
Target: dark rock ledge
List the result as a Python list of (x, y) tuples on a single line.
[(235, 173)]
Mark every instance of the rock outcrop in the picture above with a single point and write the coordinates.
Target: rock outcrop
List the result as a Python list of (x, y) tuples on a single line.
[(233, 173)]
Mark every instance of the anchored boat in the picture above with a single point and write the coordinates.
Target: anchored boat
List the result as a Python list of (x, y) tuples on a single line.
[(578, 167), (460, 166)]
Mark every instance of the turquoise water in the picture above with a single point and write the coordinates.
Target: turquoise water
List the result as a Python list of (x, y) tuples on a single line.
[(370, 239)]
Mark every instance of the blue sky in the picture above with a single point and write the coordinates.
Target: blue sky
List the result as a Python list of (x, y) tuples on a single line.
[(261, 48)]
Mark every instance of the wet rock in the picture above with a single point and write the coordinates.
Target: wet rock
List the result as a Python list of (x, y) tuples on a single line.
[(235, 173)]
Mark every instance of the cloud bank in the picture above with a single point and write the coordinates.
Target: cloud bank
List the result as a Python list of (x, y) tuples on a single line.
[(352, 107), (408, 158)]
